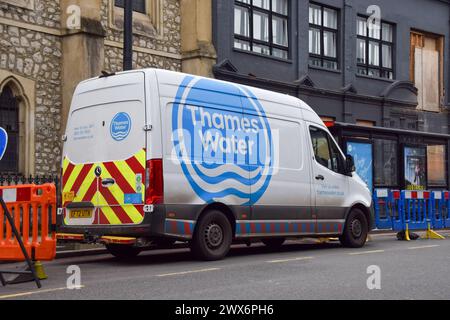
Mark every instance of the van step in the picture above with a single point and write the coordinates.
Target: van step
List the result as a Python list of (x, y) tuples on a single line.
[(104, 239)]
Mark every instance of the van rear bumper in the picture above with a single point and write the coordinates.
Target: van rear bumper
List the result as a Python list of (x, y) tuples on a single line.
[(153, 226)]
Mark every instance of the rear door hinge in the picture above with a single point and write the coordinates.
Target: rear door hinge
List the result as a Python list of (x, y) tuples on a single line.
[(148, 127)]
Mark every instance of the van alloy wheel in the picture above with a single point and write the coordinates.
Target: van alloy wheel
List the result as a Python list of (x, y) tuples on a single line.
[(355, 230), (212, 236)]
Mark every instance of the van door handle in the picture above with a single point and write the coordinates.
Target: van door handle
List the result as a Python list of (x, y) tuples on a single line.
[(320, 177), (108, 182)]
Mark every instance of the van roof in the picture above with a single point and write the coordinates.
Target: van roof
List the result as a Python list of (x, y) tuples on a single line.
[(261, 93)]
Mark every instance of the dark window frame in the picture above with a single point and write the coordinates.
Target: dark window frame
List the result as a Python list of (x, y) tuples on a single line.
[(322, 57), (367, 39), (138, 5), (270, 44)]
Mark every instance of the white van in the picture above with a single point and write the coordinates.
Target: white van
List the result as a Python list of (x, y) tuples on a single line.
[(154, 156)]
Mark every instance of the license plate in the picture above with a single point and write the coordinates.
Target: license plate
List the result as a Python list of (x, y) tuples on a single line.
[(81, 214)]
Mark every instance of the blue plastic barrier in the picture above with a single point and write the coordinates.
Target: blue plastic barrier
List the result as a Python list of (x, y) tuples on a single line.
[(438, 209), (415, 209), (446, 209), (412, 210), (387, 208)]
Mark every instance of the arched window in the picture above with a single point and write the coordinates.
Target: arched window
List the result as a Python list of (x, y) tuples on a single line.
[(9, 120)]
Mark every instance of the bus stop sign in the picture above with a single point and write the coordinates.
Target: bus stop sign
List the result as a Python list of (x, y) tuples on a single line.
[(3, 142)]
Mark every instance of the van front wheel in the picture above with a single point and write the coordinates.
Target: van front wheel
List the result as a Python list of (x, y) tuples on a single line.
[(212, 237), (356, 230)]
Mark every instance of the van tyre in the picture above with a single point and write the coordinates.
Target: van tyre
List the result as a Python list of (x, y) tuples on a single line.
[(356, 230), (123, 251), (212, 237), (273, 243)]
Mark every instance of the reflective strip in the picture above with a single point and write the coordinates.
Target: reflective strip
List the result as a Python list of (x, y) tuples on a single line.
[(9, 195), (71, 179), (107, 211), (88, 181), (437, 195), (118, 195), (382, 193), (81, 180)]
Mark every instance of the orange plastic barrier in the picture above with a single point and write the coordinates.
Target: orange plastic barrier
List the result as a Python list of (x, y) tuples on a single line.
[(33, 209)]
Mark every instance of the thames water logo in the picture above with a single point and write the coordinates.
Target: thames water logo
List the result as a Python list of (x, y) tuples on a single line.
[(120, 126), (222, 140)]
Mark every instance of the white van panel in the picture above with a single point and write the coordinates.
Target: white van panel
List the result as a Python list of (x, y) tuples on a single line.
[(291, 169)]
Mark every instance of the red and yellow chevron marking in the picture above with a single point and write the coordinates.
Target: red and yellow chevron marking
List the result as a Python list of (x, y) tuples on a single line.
[(81, 185)]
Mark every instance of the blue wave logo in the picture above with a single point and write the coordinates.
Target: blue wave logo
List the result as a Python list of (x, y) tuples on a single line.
[(223, 141), (120, 126)]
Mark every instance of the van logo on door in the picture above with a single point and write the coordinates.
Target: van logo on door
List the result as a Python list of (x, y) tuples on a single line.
[(225, 154), (120, 126)]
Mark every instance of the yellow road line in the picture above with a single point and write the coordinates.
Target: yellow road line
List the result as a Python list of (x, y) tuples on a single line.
[(289, 260), (365, 252), (424, 247), (186, 272), (21, 294)]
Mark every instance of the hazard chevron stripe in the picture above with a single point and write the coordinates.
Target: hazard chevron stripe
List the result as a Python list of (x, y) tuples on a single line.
[(116, 191), (120, 180), (81, 177), (87, 183), (111, 208), (67, 171), (71, 178), (108, 212)]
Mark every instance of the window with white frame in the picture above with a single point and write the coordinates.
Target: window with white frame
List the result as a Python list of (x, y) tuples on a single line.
[(323, 36), (262, 26), (375, 49)]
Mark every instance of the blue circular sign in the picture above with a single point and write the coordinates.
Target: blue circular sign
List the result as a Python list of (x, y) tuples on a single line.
[(120, 126), (3, 142), (225, 154)]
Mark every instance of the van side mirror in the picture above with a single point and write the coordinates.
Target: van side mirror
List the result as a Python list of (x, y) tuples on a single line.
[(350, 164)]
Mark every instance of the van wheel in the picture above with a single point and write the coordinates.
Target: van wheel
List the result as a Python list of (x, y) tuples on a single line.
[(123, 251), (212, 237), (273, 243), (356, 230)]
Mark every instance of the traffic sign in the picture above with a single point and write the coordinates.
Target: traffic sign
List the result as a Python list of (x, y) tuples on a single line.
[(3, 142)]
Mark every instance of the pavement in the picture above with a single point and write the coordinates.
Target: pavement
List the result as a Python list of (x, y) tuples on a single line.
[(300, 270)]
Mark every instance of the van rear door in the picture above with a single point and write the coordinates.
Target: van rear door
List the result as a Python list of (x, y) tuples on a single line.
[(104, 155)]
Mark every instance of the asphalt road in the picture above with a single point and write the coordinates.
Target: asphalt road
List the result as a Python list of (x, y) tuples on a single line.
[(300, 270)]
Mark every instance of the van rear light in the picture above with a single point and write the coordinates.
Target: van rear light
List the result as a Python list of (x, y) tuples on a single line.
[(154, 182)]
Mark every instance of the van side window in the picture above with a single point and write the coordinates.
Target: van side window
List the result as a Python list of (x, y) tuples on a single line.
[(336, 157), (325, 150), (321, 147)]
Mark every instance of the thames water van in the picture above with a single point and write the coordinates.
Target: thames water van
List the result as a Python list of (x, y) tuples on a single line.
[(153, 157)]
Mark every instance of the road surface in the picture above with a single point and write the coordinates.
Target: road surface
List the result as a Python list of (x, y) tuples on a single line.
[(300, 270)]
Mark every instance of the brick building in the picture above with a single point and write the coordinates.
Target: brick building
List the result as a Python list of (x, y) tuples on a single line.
[(47, 47)]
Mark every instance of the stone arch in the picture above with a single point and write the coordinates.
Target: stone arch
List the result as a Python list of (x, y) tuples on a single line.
[(24, 90)]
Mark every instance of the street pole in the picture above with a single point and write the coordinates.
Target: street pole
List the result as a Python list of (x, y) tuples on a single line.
[(128, 35)]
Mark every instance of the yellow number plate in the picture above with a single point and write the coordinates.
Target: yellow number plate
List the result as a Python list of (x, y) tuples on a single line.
[(81, 214), (68, 196)]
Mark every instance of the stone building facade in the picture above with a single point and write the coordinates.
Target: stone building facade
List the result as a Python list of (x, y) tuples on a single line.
[(47, 47)]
